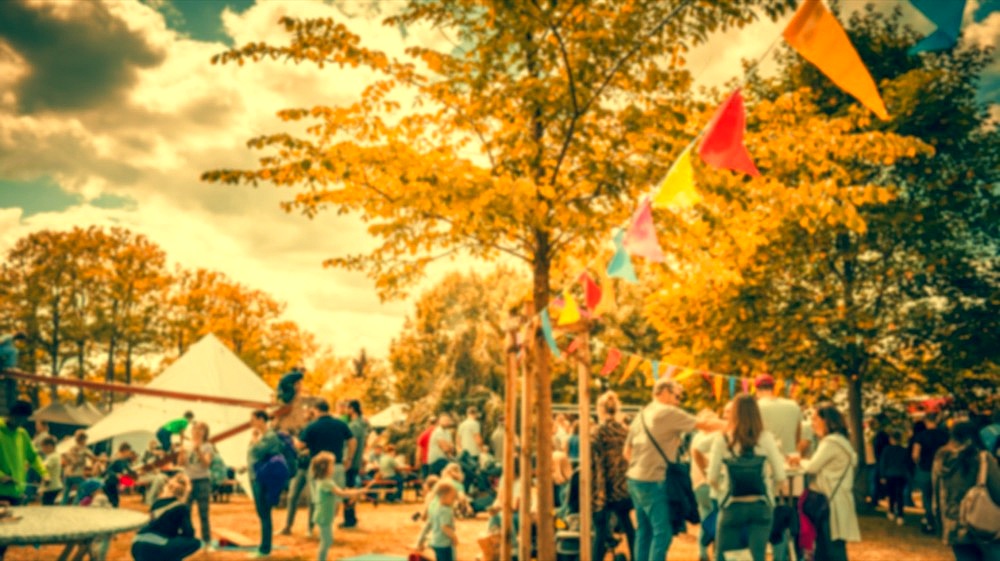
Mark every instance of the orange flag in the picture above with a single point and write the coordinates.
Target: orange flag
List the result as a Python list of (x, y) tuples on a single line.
[(614, 358), (817, 35), (633, 363), (717, 387)]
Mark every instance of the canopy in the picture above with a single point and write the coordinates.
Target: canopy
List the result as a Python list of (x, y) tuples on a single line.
[(395, 413), (62, 414), (207, 368)]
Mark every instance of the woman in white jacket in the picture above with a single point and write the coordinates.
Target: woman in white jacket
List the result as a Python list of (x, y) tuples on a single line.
[(831, 471)]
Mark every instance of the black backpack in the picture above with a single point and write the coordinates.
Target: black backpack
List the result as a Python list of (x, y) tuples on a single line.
[(746, 473)]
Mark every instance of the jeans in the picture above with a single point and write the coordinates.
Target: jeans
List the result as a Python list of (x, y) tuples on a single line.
[(703, 495), (894, 488), (264, 515), (72, 482), (755, 517), (201, 491), (350, 517), (325, 539), (49, 497), (922, 480), (828, 549), (977, 552), (164, 437), (652, 513), (444, 553), (602, 527), (299, 482), (173, 549)]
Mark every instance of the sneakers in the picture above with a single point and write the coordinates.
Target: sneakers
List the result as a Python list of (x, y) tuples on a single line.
[(899, 521), (258, 555), (890, 516), (286, 531)]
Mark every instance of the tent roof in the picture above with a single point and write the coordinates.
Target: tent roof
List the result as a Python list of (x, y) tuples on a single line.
[(62, 414), (207, 368), (395, 413), (88, 413)]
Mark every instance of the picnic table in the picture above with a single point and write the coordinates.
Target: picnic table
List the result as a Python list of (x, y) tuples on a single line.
[(75, 526)]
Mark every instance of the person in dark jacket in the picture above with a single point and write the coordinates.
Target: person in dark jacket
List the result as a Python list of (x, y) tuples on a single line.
[(169, 535), (893, 469), (264, 446), (955, 469)]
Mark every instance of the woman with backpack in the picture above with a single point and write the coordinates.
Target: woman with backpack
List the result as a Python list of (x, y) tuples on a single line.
[(743, 467), (265, 462), (831, 478), (960, 467), (197, 462)]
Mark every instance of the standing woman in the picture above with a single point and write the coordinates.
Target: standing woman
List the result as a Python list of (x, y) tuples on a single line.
[(744, 466), (264, 445), (831, 471), (610, 484), (197, 462), (958, 466)]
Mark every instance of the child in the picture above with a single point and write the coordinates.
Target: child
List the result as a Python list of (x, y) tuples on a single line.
[(325, 492), (91, 494), (893, 468), (489, 542), (427, 492), (441, 523), (76, 462), (52, 486)]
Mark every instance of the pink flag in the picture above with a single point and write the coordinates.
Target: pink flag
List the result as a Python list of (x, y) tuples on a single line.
[(574, 345), (591, 291), (641, 236), (722, 146), (614, 357)]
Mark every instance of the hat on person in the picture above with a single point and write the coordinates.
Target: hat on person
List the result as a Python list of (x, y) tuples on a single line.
[(764, 381), (21, 408), (286, 387)]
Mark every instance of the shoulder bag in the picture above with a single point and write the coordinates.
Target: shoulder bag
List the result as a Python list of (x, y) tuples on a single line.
[(979, 516), (816, 505), (680, 492)]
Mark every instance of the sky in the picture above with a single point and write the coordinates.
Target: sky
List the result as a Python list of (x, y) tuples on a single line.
[(110, 110)]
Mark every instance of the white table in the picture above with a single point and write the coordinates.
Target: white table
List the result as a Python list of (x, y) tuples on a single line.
[(74, 526)]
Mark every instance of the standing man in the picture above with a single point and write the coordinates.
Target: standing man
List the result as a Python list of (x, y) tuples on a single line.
[(324, 434), (470, 435), (496, 440), (441, 446), (354, 462), (16, 454), (782, 417), (9, 350), (656, 432), (423, 444), (264, 445), (925, 445)]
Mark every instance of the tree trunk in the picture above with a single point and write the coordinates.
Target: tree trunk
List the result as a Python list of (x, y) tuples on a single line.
[(129, 349), (543, 399), (81, 371), (55, 342), (109, 374)]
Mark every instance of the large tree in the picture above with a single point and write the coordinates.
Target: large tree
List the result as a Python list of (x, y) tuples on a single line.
[(573, 108)]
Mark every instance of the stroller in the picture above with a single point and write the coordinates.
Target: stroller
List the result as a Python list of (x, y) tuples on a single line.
[(481, 480)]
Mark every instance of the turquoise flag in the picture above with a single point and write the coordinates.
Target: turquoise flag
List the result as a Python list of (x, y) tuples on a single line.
[(547, 331), (656, 369), (947, 16), (732, 387), (621, 264)]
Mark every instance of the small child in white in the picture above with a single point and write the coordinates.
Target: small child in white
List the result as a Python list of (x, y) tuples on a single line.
[(325, 493), (52, 486)]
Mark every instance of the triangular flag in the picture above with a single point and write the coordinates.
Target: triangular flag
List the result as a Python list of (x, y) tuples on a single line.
[(817, 35), (732, 387), (633, 362), (722, 146), (614, 357), (574, 345), (789, 387), (591, 292), (607, 304), (717, 387), (677, 188), (684, 374), (547, 332), (571, 312), (654, 368), (621, 264), (947, 16), (647, 368), (671, 370), (778, 384), (745, 384), (641, 236)]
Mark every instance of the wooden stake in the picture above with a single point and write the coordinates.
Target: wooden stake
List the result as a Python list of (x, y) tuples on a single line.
[(524, 534), (510, 424), (586, 477)]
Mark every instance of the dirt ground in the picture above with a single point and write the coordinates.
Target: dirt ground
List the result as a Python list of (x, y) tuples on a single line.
[(388, 529)]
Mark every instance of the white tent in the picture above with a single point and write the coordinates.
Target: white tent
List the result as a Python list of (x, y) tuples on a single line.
[(395, 413), (207, 368)]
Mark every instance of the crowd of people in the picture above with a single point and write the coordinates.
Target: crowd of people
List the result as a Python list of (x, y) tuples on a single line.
[(762, 474)]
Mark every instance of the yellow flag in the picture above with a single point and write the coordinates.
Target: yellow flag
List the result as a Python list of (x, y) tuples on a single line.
[(570, 313), (717, 386), (607, 303), (684, 374), (647, 369), (778, 385), (677, 188), (817, 35), (633, 363)]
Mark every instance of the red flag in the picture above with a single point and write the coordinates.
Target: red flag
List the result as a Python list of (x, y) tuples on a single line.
[(592, 292), (722, 146), (614, 357), (573, 346)]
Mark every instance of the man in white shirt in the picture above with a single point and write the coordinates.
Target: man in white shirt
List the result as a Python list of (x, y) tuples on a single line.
[(783, 418), (470, 437), (441, 447)]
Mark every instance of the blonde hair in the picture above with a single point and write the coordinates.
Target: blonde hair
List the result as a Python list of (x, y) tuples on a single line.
[(177, 486), (455, 469), (321, 465)]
